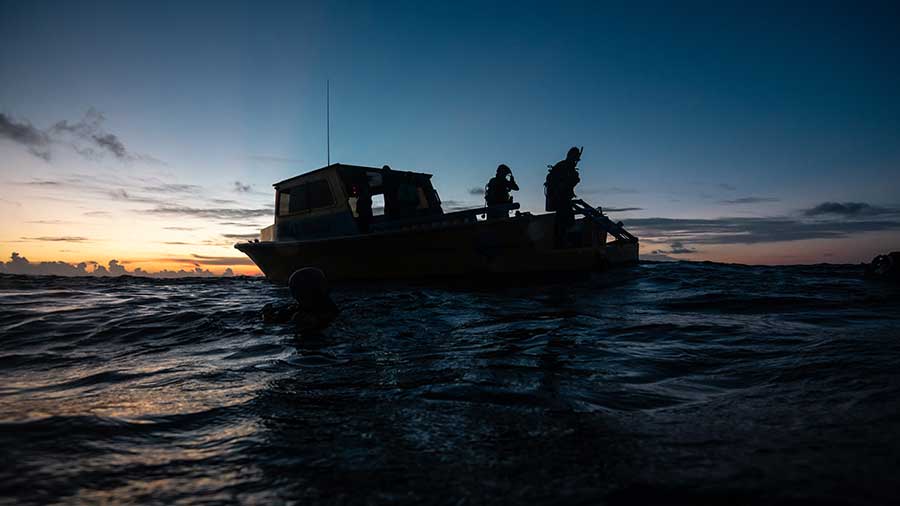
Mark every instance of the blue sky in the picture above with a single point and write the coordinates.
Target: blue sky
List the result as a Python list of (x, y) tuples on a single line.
[(687, 110)]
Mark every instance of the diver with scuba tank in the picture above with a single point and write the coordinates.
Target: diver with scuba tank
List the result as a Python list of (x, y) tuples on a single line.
[(559, 189), (497, 191)]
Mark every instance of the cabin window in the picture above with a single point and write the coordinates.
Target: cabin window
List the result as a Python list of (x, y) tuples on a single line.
[(298, 200), (423, 200), (319, 194), (304, 197), (378, 205), (284, 202)]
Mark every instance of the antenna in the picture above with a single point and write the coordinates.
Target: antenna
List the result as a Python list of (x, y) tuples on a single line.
[(328, 118)]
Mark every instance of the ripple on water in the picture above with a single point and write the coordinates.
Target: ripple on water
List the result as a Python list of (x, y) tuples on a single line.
[(693, 382)]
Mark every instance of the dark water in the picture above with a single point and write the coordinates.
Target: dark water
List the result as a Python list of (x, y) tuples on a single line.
[(667, 383)]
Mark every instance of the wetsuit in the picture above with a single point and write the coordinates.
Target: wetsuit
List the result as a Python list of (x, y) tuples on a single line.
[(497, 193), (561, 183)]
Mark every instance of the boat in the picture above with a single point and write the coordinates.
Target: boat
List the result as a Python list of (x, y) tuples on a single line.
[(320, 221)]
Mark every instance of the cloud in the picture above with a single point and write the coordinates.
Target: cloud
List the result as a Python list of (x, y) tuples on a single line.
[(240, 187), (621, 209), (112, 144), (57, 239), (241, 237), (726, 187), (208, 260), (753, 230), (122, 195), (96, 214), (456, 205), (749, 200), (195, 259), (87, 137), (847, 209), (36, 141), (476, 190), (184, 229), (222, 213), (173, 188), (245, 224), (20, 265), (52, 222), (676, 248), (609, 190)]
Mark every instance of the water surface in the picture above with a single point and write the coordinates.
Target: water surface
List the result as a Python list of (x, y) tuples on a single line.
[(668, 383)]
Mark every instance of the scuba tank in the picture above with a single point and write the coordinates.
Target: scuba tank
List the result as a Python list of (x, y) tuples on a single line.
[(552, 183), (549, 189)]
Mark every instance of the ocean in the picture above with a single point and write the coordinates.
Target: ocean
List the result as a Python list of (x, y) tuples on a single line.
[(666, 383)]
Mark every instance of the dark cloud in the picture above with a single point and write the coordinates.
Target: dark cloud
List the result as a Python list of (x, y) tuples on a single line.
[(749, 200), (476, 190), (246, 224), (36, 141), (44, 183), (173, 188), (676, 248), (240, 187), (87, 137), (221, 213), (52, 222), (112, 144), (847, 209), (57, 239), (241, 237), (752, 230), (121, 194)]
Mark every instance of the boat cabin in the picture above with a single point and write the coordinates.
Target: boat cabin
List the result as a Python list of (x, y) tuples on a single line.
[(341, 200)]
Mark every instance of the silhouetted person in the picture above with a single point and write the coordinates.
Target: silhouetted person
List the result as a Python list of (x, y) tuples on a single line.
[(885, 267), (314, 309), (560, 189), (497, 191)]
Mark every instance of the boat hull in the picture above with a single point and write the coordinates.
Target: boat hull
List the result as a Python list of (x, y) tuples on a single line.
[(517, 245)]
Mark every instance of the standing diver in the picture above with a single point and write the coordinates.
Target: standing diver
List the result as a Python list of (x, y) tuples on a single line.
[(497, 191), (560, 190)]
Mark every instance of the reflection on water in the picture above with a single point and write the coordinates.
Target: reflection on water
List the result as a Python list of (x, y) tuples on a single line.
[(663, 383)]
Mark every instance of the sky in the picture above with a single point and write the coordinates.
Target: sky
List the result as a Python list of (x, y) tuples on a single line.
[(150, 133)]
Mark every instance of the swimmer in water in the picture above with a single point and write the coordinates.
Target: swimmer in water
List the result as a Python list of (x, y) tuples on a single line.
[(314, 309)]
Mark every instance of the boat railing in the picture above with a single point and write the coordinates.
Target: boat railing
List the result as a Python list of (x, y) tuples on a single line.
[(612, 228)]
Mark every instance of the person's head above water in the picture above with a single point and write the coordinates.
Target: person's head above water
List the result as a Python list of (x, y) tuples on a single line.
[(503, 170), (574, 154), (310, 288)]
